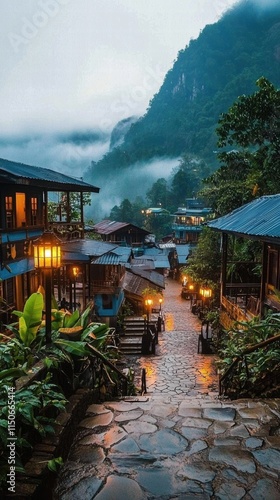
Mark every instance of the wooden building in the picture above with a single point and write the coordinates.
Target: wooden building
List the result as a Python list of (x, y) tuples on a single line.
[(25, 191), (187, 224), (258, 221), (121, 233)]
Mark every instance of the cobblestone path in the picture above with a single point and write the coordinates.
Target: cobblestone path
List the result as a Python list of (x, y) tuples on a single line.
[(179, 441), (177, 368)]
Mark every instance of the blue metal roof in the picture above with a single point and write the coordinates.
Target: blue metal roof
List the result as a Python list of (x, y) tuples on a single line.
[(259, 218), (15, 268), (182, 253), (85, 250), (12, 171)]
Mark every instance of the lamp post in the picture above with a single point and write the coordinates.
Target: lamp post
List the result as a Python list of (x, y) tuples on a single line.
[(75, 274), (206, 293), (47, 256), (148, 303), (160, 302)]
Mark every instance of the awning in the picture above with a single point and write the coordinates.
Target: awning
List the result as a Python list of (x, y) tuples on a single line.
[(16, 268)]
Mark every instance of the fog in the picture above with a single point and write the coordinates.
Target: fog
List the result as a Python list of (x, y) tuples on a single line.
[(129, 183), (69, 153)]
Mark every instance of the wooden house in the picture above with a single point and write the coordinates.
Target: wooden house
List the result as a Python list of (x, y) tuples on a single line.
[(187, 224), (24, 195), (121, 233), (258, 221)]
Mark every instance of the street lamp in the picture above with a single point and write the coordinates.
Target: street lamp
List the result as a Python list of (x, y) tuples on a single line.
[(75, 271), (47, 256), (206, 293), (160, 302), (148, 303)]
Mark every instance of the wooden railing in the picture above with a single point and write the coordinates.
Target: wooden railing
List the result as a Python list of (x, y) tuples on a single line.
[(235, 312), (67, 231)]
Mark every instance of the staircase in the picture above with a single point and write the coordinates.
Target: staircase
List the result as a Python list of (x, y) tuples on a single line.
[(131, 341)]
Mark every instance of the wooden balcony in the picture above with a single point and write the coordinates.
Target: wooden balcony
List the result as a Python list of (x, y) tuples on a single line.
[(241, 303), (106, 286), (237, 312), (67, 231)]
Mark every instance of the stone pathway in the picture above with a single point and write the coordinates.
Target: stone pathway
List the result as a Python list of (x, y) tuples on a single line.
[(178, 441)]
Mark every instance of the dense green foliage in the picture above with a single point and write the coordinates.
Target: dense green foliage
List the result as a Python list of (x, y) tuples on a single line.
[(252, 127), (185, 182), (250, 362), (208, 75)]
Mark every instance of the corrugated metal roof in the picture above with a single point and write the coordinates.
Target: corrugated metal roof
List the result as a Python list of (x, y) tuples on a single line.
[(90, 248), (136, 284), (152, 276), (108, 259), (143, 263), (260, 218), (193, 211), (114, 258), (12, 171), (182, 253), (110, 226)]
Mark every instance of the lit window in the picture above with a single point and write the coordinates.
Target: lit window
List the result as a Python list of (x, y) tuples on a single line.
[(34, 210), (9, 211)]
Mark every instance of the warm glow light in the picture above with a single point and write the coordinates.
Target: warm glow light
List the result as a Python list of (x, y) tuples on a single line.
[(191, 287), (160, 301), (47, 251), (148, 302), (205, 292), (75, 271)]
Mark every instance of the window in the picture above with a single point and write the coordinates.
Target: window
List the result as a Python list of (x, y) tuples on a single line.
[(107, 302), (20, 209), (34, 211), (9, 211), (272, 267)]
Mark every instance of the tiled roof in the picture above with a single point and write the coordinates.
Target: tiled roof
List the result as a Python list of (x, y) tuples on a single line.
[(259, 219), (12, 171)]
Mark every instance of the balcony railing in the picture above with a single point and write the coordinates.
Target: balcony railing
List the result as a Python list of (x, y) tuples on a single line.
[(106, 286), (236, 312), (67, 231)]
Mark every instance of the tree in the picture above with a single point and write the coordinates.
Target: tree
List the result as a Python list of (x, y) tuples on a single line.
[(158, 195), (252, 168), (204, 265), (186, 180)]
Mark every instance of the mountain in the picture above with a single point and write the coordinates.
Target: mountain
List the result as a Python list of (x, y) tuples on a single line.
[(209, 74), (120, 130)]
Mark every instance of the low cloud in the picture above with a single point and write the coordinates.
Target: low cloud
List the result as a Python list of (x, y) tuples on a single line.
[(69, 153), (129, 183)]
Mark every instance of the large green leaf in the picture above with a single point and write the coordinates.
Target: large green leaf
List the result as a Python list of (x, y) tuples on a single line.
[(73, 347), (33, 310), (12, 373), (72, 320)]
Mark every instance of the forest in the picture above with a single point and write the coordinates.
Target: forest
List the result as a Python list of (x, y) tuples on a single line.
[(223, 63)]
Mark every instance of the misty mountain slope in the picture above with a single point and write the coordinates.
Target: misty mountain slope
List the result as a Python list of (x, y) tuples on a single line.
[(222, 63)]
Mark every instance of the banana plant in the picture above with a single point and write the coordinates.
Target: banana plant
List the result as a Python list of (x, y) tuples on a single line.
[(30, 319)]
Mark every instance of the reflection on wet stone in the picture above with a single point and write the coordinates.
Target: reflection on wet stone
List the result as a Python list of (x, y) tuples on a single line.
[(179, 441), (164, 441), (120, 488)]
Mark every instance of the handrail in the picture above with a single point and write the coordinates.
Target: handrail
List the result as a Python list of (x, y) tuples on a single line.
[(249, 350), (110, 365)]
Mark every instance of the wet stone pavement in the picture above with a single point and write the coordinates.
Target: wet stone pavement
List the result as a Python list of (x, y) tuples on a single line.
[(179, 440)]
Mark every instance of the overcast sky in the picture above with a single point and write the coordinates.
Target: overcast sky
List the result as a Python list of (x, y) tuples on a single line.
[(76, 64)]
